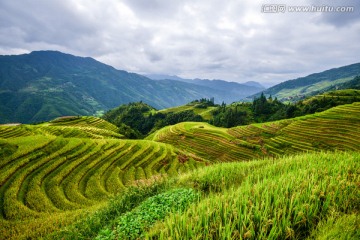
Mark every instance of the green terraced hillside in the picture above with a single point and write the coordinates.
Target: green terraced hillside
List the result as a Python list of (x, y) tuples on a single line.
[(72, 126), (336, 128), (338, 95), (205, 113), (53, 172), (206, 141)]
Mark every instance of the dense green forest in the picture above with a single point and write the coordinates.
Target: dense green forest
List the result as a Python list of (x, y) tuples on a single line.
[(136, 120)]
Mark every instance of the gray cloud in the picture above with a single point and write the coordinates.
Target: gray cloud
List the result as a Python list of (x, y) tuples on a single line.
[(230, 40), (339, 19)]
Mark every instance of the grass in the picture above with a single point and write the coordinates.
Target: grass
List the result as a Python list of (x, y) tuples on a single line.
[(289, 198), (338, 226)]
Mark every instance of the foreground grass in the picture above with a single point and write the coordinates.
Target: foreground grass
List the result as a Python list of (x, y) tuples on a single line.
[(285, 199), (308, 196), (338, 226), (95, 222)]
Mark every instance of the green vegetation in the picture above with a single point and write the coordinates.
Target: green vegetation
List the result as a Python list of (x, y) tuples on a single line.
[(206, 141), (77, 178), (53, 173), (232, 115), (311, 196), (282, 199), (136, 120), (71, 126), (353, 84), (335, 128), (202, 107), (313, 84), (264, 109), (92, 224), (132, 225)]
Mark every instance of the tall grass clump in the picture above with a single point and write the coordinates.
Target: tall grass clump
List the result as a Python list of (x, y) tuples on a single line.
[(338, 226), (285, 199)]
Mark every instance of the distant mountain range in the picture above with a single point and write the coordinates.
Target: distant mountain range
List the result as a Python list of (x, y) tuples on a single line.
[(336, 78), (215, 83), (44, 85)]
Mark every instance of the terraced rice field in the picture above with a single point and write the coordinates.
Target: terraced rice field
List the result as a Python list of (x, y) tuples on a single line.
[(52, 173), (205, 113), (51, 178), (206, 141), (79, 127), (336, 128)]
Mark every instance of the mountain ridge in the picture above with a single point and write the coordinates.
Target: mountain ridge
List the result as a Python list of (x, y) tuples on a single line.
[(206, 82), (298, 88), (44, 85)]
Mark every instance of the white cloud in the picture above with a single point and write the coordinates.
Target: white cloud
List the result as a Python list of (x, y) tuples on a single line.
[(230, 40)]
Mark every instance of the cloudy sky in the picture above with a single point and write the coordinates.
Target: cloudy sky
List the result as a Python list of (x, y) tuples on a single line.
[(216, 39)]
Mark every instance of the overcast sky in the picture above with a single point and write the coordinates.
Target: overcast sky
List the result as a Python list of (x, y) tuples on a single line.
[(215, 39)]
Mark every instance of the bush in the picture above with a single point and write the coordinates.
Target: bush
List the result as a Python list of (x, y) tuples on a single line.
[(133, 224)]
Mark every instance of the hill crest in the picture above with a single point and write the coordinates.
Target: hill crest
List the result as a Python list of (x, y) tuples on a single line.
[(298, 88)]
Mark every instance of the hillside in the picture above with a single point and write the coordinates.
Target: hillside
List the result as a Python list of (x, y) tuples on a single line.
[(44, 85), (310, 85), (80, 127), (353, 84), (137, 120), (55, 173), (336, 128), (234, 91), (341, 96), (196, 106)]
